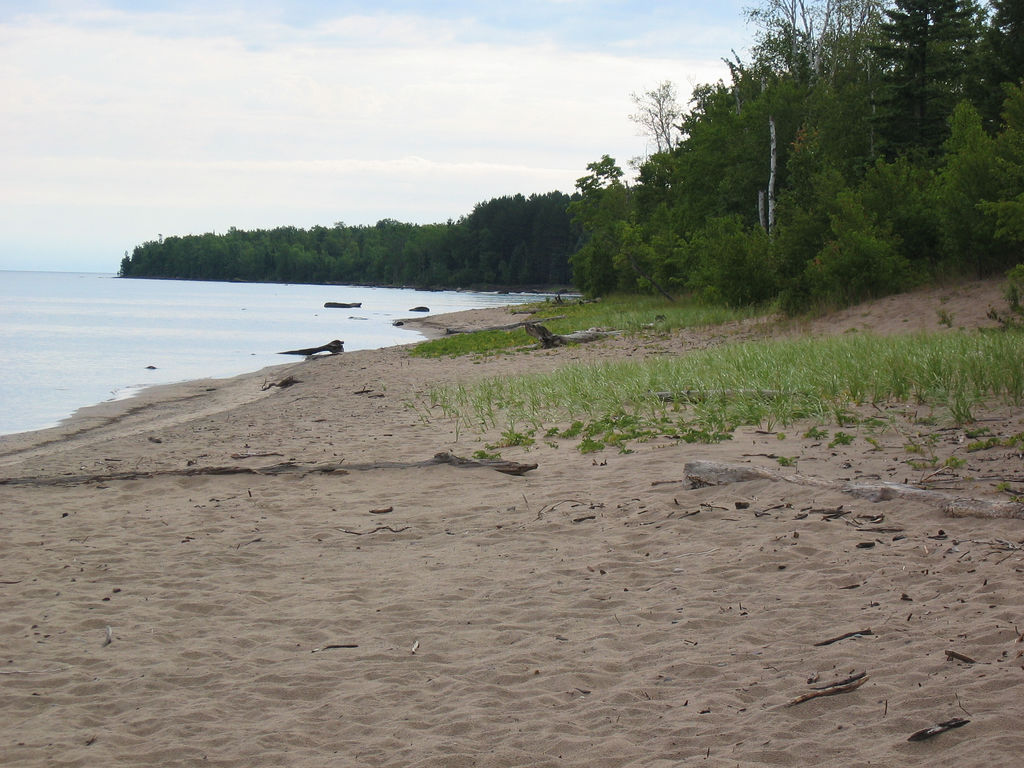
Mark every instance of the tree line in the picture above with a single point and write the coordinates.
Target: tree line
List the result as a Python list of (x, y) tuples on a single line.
[(864, 147), (511, 241)]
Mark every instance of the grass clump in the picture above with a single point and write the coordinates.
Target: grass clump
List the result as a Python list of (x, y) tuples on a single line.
[(632, 314), (713, 392), (478, 343)]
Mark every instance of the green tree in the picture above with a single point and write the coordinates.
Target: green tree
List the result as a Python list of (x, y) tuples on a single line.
[(927, 58), (969, 176), (1003, 56), (602, 210)]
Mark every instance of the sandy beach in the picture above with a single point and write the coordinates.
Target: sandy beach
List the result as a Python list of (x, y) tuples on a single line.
[(229, 574)]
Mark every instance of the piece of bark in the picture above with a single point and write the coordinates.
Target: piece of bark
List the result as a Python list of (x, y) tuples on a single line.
[(960, 657), (935, 730)]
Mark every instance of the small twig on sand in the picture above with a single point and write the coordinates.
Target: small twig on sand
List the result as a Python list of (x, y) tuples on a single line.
[(843, 686), (845, 636), (284, 383), (935, 730), (960, 657), (375, 530)]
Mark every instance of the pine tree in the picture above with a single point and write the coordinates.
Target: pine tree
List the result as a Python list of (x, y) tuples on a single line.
[(927, 50)]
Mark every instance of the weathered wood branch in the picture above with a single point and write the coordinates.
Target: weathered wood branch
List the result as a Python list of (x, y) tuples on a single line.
[(284, 383), (333, 347), (935, 730), (506, 327), (843, 686), (548, 339), (704, 473), (287, 467), (845, 636)]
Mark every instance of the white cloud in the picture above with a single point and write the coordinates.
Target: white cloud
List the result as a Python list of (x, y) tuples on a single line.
[(355, 119)]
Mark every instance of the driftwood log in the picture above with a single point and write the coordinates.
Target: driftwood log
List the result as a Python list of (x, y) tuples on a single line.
[(506, 327), (548, 339), (283, 468), (333, 347), (342, 304), (704, 473)]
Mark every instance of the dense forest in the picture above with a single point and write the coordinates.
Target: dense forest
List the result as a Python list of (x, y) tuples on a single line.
[(863, 147), (505, 242)]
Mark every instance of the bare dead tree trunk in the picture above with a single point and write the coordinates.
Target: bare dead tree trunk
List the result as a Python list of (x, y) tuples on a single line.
[(647, 277), (771, 175)]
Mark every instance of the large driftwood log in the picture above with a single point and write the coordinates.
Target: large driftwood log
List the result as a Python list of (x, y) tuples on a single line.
[(333, 347), (507, 327), (548, 339), (705, 473), (287, 467), (342, 304)]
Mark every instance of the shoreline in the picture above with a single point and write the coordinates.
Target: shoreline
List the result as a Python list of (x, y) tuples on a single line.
[(53, 372), (290, 579), (97, 415)]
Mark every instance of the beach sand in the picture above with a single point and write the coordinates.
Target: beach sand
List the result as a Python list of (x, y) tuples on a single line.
[(221, 574)]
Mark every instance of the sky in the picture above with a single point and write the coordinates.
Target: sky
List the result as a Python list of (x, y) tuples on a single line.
[(122, 121)]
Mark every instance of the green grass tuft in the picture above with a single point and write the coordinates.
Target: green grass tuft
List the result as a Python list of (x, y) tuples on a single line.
[(775, 382)]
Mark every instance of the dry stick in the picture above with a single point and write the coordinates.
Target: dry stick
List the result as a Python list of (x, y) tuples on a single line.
[(935, 730), (939, 471), (960, 657), (844, 686), (845, 636), (375, 530), (284, 383), (287, 467), (334, 645)]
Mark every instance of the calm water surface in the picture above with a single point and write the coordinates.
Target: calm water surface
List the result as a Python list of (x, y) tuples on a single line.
[(71, 340)]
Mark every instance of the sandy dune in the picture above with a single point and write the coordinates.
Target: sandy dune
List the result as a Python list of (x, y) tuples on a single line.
[(219, 574)]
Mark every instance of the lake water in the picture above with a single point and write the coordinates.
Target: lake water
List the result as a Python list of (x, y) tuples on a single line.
[(71, 340)]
